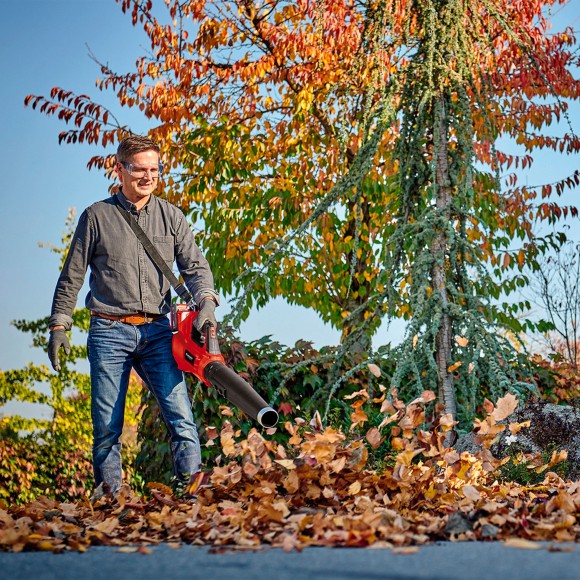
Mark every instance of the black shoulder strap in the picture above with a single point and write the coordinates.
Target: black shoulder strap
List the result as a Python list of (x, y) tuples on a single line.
[(154, 254)]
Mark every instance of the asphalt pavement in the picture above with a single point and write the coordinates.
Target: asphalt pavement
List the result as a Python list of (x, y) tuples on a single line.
[(439, 561)]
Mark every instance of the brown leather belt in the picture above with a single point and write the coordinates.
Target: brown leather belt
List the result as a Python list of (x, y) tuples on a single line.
[(137, 318)]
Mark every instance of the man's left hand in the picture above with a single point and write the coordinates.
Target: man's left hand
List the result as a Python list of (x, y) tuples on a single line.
[(206, 315), (57, 339)]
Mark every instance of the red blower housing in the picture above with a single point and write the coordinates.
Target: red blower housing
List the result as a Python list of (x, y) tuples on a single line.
[(199, 354)]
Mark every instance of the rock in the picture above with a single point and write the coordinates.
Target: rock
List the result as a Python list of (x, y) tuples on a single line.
[(458, 523), (489, 531), (468, 443), (552, 428)]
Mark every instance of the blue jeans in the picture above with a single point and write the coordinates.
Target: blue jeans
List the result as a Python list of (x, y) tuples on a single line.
[(113, 349)]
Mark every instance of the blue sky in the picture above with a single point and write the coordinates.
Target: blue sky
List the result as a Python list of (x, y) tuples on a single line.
[(43, 44)]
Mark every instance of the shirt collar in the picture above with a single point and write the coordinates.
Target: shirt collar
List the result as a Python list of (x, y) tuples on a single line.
[(131, 206)]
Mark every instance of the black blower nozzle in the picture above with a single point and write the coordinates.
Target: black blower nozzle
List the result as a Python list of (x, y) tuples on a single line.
[(238, 392)]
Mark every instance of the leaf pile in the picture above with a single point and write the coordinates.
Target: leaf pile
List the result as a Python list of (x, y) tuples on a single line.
[(319, 491)]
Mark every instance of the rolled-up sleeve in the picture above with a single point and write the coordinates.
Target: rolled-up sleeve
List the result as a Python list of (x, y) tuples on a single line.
[(73, 274)]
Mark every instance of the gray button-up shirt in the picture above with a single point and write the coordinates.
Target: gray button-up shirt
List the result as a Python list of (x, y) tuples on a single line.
[(123, 279)]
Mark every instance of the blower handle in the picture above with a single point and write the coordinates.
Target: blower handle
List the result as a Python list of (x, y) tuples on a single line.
[(207, 338)]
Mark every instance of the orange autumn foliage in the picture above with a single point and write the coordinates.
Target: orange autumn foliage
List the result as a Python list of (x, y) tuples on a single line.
[(261, 106)]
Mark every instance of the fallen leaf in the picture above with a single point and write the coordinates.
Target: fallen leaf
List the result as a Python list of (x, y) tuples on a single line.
[(405, 550), (337, 465), (557, 548), (558, 457), (287, 463), (471, 492), (323, 488), (160, 487), (515, 428), (211, 433), (354, 488), (505, 407), (390, 419), (362, 393), (316, 422), (446, 421), (373, 436), (107, 526), (522, 544), (488, 406)]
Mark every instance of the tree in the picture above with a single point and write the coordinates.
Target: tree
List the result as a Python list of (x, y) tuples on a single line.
[(469, 64), (352, 147), (258, 120), (556, 289)]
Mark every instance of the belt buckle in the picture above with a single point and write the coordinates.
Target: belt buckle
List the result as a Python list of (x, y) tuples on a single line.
[(138, 319), (147, 318)]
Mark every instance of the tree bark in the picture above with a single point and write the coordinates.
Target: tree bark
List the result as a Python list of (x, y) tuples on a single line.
[(362, 344), (444, 338)]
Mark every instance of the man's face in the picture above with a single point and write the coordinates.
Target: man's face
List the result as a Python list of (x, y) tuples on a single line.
[(140, 180)]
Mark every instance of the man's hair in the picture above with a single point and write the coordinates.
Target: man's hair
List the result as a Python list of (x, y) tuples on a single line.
[(135, 144)]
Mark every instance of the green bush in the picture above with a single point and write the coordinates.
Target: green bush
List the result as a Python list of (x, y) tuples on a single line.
[(53, 457), (296, 381)]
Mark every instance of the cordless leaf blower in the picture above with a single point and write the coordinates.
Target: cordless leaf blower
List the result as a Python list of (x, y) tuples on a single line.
[(199, 354)]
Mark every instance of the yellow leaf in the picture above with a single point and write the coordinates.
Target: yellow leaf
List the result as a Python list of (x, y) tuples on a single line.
[(454, 366), (287, 463), (45, 545), (354, 488), (461, 340), (374, 369), (558, 457), (517, 427), (337, 465)]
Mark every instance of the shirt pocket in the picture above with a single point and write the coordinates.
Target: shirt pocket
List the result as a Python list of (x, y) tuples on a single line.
[(165, 246)]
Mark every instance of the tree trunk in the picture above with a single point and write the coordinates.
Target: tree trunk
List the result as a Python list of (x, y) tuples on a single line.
[(444, 338), (362, 344)]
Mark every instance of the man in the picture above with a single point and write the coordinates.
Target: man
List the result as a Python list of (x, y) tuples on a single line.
[(129, 299)]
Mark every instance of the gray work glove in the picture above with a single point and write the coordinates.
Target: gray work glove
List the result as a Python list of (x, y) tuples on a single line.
[(57, 339), (206, 315)]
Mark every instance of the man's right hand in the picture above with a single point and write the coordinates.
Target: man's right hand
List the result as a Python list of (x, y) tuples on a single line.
[(57, 339), (206, 315)]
